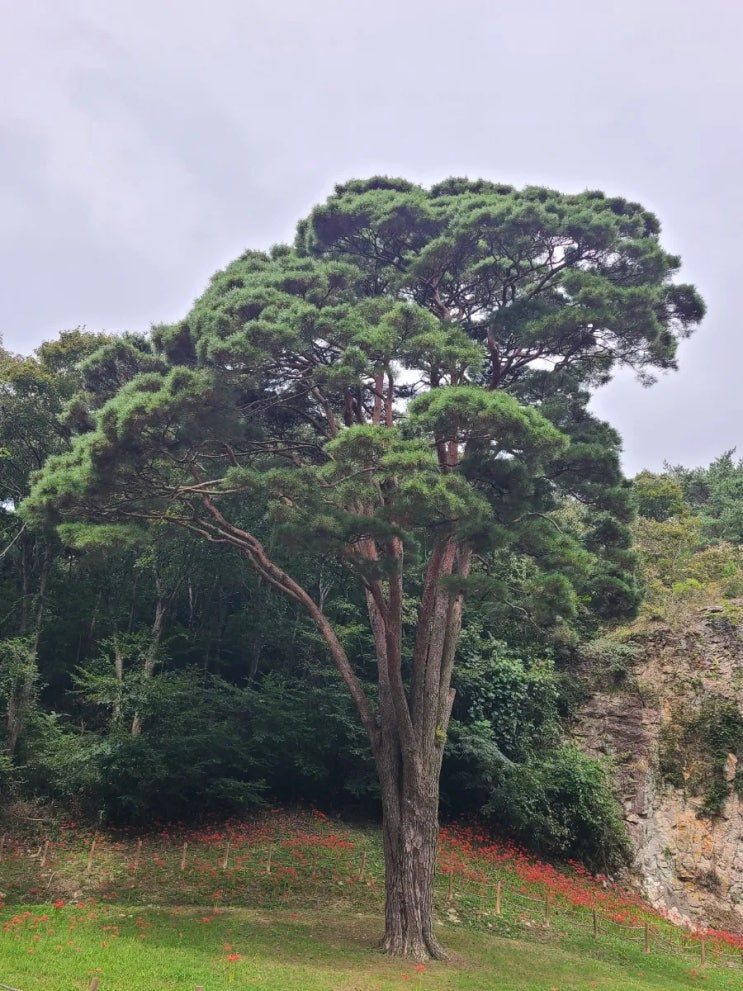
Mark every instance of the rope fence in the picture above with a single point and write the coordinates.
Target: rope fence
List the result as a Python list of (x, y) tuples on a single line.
[(591, 920), (273, 866)]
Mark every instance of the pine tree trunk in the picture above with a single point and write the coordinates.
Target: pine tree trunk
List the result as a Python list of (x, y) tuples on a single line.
[(410, 830)]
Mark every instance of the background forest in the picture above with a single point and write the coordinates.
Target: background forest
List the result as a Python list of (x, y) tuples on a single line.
[(146, 675)]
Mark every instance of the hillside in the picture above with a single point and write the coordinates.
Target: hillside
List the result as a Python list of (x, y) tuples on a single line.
[(293, 900)]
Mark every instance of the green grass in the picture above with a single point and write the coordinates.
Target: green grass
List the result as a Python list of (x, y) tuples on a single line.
[(49, 950), (312, 920)]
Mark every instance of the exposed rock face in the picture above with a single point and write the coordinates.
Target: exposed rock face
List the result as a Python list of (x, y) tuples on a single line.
[(689, 863)]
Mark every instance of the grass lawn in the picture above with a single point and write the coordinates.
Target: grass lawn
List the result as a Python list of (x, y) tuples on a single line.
[(294, 903), (47, 949)]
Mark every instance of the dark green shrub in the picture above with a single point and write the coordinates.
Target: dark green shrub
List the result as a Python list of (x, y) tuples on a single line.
[(193, 757), (714, 798), (564, 807), (516, 696), (309, 743)]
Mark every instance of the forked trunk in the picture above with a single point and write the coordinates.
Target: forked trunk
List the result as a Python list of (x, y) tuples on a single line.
[(408, 731)]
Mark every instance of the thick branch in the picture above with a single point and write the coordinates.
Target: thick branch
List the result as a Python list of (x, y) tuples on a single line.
[(430, 628), (276, 576), (378, 396), (329, 415), (389, 402), (453, 628), (394, 651)]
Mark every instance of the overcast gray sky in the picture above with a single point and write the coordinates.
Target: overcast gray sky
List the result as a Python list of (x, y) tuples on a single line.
[(145, 143)]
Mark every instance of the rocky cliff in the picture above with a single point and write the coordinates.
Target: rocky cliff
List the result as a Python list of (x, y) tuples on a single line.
[(672, 725)]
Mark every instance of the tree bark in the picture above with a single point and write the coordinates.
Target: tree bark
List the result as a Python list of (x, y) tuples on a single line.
[(410, 830)]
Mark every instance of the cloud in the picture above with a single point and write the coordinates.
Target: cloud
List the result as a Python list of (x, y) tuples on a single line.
[(72, 97), (144, 143)]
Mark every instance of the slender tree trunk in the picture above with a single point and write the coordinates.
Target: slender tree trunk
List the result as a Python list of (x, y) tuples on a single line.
[(17, 705), (132, 607), (190, 606), (46, 564), (119, 673), (150, 660), (256, 649), (21, 694), (23, 622)]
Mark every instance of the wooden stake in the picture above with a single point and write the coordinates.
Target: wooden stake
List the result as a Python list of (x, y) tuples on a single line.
[(199, 988), (268, 861), (498, 898), (183, 856), (94, 984), (46, 851), (547, 910), (595, 925), (363, 865), (226, 856), (451, 886), (2, 845), (137, 855), (90, 857), (647, 938)]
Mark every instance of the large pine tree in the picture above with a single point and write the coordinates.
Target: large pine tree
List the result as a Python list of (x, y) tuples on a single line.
[(405, 390)]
